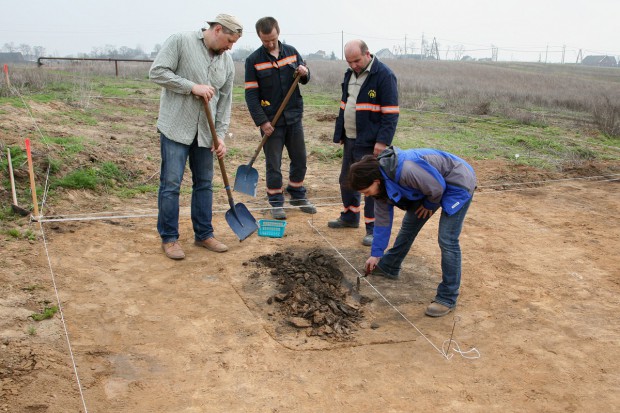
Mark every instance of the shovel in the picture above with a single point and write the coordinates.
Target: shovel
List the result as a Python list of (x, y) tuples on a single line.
[(238, 217), (247, 177), (16, 208)]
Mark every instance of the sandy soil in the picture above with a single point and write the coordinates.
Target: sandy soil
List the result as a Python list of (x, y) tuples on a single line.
[(141, 333)]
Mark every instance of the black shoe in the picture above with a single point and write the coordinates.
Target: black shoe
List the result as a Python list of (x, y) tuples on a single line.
[(378, 271), (304, 205), (278, 213), (339, 223)]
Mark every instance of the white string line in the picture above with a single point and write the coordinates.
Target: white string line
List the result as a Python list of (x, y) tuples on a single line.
[(496, 192), (443, 353), (49, 263), (549, 180), (93, 216), (122, 98), (84, 217), (62, 318)]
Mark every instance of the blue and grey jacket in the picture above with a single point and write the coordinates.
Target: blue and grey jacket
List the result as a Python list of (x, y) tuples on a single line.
[(435, 177)]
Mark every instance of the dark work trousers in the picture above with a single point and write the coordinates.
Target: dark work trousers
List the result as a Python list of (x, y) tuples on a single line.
[(351, 199), (291, 137)]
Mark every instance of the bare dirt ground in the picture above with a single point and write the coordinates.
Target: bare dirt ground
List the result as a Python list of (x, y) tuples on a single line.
[(142, 333)]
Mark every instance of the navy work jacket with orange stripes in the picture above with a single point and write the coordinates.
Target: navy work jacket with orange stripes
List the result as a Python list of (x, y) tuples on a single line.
[(267, 80), (376, 111)]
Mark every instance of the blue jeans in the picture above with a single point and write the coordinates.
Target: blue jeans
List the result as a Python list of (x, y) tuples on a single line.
[(174, 156), (450, 227)]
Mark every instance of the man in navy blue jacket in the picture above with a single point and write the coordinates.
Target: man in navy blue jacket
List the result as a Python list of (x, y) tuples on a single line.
[(366, 125), (418, 181), (269, 74)]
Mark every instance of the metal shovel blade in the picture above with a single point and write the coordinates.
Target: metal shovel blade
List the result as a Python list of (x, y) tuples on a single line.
[(19, 210), (241, 221), (246, 180)]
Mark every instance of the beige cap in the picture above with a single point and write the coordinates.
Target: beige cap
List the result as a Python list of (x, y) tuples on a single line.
[(228, 21)]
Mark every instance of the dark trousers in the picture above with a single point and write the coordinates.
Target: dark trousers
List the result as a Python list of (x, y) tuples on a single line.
[(291, 137), (351, 200)]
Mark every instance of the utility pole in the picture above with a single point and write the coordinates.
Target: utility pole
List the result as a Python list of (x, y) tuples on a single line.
[(563, 53), (579, 57), (435, 49), (405, 45), (342, 43), (546, 53)]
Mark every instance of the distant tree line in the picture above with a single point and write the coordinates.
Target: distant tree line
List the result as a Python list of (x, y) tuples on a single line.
[(112, 52), (27, 51), (107, 51)]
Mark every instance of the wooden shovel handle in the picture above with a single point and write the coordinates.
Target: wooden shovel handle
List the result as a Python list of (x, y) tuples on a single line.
[(216, 145), (276, 118), (11, 177), (33, 187)]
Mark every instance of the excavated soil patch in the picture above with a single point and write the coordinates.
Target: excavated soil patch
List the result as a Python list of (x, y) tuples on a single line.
[(311, 294)]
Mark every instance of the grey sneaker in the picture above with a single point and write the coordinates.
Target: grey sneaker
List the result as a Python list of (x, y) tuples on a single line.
[(304, 205), (367, 240), (436, 309), (278, 213), (339, 223)]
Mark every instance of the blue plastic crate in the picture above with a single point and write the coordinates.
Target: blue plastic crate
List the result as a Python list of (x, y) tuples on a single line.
[(271, 228)]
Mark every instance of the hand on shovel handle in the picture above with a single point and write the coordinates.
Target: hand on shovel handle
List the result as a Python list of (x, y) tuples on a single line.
[(238, 216), (276, 117), (246, 178)]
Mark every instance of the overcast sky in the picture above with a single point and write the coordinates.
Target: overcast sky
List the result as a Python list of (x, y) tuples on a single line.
[(520, 29)]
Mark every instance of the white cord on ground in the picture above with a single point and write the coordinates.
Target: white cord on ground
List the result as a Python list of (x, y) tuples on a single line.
[(62, 319), (440, 351)]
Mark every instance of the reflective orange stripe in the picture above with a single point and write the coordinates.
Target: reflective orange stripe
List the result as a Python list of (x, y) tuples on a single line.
[(263, 66), (369, 220), (287, 60), (277, 64), (275, 191), (390, 109), (342, 105), (251, 85), (354, 209), (368, 106), (296, 184)]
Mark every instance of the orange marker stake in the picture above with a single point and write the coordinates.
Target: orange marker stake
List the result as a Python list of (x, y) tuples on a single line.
[(33, 189), (6, 75)]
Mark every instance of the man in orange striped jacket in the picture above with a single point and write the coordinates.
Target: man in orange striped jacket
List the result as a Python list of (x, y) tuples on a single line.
[(366, 125), (269, 74)]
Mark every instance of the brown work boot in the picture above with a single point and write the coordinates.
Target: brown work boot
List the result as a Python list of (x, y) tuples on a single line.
[(212, 245), (173, 250), (436, 309)]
